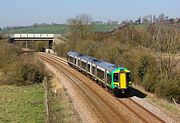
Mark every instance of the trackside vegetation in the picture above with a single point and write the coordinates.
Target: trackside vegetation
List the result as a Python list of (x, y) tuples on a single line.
[(17, 68), (151, 54), (21, 89), (61, 109)]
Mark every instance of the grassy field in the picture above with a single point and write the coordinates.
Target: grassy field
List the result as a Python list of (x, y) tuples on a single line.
[(104, 27), (23, 104), (54, 29)]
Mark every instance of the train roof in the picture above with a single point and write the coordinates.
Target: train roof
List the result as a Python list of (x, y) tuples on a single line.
[(72, 53), (87, 58), (106, 65), (100, 63)]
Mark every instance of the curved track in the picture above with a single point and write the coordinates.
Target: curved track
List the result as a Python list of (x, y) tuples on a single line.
[(120, 110)]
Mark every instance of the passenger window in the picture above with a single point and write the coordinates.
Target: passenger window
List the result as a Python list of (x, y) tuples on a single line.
[(100, 74), (89, 67), (79, 62), (116, 77), (108, 78)]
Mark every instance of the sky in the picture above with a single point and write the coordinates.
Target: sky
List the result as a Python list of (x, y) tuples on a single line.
[(27, 12)]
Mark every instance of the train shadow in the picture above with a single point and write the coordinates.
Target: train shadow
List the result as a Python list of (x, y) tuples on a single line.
[(132, 92)]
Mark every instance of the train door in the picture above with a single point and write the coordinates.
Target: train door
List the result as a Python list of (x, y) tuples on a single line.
[(77, 61), (95, 72), (105, 75), (91, 68)]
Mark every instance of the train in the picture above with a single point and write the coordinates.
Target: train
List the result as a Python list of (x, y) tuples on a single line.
[(116, 79)]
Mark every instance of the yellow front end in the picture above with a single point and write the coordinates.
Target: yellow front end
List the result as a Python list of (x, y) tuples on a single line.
[(122, 81)]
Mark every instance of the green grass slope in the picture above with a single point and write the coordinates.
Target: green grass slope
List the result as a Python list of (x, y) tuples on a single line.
[(24, 104)]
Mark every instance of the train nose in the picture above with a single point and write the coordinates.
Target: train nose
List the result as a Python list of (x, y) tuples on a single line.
[(122, 82)]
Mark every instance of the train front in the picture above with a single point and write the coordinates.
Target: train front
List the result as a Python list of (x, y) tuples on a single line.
[(121, 80)]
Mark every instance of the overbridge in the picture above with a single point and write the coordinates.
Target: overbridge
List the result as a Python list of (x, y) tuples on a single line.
[(33, 37)]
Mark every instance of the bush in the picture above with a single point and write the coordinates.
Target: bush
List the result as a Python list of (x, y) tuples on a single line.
[(169, 89), (23, 73), (147, 73), (31, 74), (19, 69)]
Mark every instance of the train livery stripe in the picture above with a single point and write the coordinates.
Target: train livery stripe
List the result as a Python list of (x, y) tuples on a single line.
[(123, 84)]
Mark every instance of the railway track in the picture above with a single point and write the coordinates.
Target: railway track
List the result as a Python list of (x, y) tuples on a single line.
[(84, 90), (113, 105)]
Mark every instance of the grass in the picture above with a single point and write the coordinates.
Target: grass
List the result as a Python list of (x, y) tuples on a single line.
[(54, 29), (171, 108), (60, 105), (24, 104), (104, 27), (166, 105), (141, 28)]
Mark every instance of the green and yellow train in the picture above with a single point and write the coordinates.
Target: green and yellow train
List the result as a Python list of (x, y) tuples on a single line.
[(116, 79)]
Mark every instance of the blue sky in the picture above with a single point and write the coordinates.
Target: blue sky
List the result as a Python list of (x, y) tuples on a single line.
[(27, 12)]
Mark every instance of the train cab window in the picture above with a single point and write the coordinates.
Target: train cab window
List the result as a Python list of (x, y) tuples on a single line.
[(128, 77), (116, 77)]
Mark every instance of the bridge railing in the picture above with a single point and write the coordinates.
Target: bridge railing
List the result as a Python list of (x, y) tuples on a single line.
[(33, 36)]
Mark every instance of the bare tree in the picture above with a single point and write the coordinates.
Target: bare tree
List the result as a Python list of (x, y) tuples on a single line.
[(165, 42), (80, 29)]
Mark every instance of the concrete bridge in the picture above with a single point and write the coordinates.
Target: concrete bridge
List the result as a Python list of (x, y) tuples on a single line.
[(33, 37)]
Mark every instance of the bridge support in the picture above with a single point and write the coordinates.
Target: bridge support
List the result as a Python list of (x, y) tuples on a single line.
[(50, 45), (26, 44)]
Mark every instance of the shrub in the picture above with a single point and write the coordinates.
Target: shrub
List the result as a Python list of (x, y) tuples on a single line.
[(169, 89), (19, 69), (147, 73), (23, 73)]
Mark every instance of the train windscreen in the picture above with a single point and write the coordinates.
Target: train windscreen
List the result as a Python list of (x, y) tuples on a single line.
[(128, 77), (116, 77)]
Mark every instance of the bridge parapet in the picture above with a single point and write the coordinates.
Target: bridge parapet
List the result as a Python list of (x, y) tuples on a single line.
[(33, 36)]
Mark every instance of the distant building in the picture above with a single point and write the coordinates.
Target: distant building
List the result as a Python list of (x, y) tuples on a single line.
[(138, 21), (147, 19), (177, 20)]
